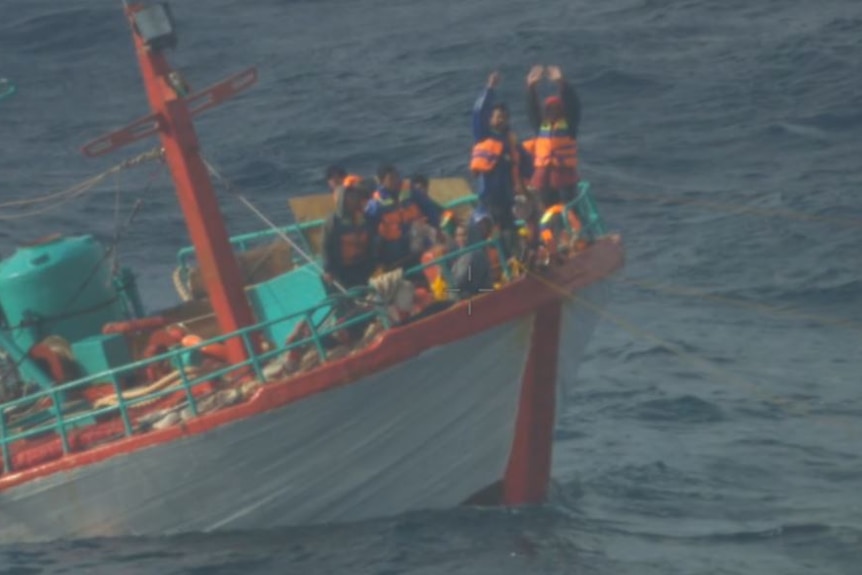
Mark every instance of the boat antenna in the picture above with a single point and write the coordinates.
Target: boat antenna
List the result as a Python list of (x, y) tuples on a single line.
[(229, 187)]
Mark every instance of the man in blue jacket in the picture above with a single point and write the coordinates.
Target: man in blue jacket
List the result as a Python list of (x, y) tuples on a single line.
[(391, 212), (498, 160)]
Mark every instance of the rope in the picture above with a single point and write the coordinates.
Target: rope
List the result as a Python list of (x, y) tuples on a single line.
[(56, 199), (229, 188), (166, 381), (676, 350), (740, 303), (736, 209), (180, 286)]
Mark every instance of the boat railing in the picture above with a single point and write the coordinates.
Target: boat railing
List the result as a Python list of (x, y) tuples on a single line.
[(583, 204), (585, 208), (60, 422), (181, 357), (445, 270), (245, 242)]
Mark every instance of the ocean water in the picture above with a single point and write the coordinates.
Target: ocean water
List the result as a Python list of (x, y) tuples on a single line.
[(717, 425)]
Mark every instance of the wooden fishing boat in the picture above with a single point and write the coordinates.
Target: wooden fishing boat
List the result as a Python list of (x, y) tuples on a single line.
[(234, 409)]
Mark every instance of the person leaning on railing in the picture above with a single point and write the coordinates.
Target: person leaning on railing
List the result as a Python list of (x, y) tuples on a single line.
[(347, 241), (477, 269)]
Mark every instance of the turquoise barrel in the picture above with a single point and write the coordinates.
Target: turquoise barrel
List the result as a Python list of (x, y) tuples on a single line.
[(59, 286)]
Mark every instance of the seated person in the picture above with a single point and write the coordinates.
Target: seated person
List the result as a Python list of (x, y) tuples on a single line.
[(474, 270)]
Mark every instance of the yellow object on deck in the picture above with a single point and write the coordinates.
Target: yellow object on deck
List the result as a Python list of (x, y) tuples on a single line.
[(439, 289)]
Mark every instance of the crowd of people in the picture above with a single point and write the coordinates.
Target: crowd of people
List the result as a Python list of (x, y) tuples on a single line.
[(390, 222)]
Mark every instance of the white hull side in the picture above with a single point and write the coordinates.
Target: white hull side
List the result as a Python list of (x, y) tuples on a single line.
[(578, 324), (426, 434)]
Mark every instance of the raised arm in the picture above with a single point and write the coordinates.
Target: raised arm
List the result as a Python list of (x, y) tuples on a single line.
[(571, 101), (534, 108), (482, 108)]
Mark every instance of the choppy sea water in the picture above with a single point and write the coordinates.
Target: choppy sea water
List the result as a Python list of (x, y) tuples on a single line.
[(717, 424)]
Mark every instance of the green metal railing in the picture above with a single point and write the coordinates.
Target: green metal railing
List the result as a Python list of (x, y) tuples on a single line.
[(177, 357), (583, 205), (61, 422)]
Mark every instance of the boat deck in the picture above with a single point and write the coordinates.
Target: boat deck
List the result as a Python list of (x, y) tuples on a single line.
[(101, 409)]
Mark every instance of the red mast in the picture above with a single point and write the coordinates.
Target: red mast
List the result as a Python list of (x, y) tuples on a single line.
[(172, 120)]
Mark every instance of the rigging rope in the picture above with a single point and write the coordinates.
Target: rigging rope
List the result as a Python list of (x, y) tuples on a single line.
[(56, 199), (644, 334), (735, 209), (229, 187), (736, 302)]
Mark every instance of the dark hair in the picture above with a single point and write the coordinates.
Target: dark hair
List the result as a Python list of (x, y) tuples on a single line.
[(500, 106), (384, 170), (420, 179), (335, 172)]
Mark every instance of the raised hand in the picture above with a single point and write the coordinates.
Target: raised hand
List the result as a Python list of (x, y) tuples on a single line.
[(535, 75), (494, 79), (554, 73)]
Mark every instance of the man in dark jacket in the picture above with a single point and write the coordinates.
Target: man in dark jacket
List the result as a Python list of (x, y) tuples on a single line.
[(473, 271), (498, 160), (347, 241), (554, 150)]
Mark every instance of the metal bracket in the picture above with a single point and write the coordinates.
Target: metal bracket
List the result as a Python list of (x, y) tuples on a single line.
[(149, 125)]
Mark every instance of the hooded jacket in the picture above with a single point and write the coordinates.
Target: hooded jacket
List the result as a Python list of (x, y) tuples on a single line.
[(472, 271), (347, 241), (496, 186)]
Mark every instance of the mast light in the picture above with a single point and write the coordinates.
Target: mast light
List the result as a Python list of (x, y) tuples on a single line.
[(155, 25)]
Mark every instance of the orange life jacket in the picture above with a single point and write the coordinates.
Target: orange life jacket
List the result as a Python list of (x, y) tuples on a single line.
[(351, 180), (554, 147), (395, 218), (487, 153)]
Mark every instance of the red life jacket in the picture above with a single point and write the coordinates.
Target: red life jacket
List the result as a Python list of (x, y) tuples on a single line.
[(394, 218), (555, 156), (487, 153), (351, 180)]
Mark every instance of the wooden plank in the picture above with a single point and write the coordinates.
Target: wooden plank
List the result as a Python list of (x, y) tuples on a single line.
[(317, 206)]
